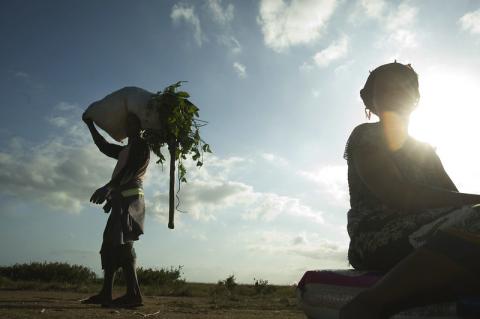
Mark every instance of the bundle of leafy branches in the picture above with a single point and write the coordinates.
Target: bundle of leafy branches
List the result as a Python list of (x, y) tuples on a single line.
[(179, 130)]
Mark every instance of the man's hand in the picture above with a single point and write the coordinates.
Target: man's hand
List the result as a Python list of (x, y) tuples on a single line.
[(100, 195)]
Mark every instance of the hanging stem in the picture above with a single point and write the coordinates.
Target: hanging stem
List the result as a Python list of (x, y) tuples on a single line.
[(171, 206)]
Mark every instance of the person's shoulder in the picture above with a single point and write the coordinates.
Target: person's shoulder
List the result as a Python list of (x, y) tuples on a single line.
[(365, 135), (422, 146), (365, 131)]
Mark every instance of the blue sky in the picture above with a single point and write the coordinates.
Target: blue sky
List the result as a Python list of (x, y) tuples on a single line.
[(277, 81)]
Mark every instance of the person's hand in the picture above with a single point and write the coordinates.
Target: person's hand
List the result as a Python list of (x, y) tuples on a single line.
[(100, 195)]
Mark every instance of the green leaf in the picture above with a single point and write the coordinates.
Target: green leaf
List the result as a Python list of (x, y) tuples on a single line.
[(183, 94)]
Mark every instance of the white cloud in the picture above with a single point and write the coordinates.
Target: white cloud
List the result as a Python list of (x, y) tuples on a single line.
[(286, 24), (211, 191), (332, 180), (240, 69), (303, 244), (60, 173), (269, 206), (397, 22), (21, 74), (373, 8), (220, 14), (333, 52), (403, 17), (470, 22), (306, 67), (183, 12), (230, 42), (275, 159), (65, 106)]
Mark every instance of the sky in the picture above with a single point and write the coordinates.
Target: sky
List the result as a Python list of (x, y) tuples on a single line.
[(278, 82)]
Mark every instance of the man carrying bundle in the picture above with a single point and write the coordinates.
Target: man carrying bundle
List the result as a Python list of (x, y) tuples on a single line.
[(124, 198)]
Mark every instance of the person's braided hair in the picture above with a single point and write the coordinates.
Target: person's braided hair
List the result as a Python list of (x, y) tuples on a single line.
[(402, 75)]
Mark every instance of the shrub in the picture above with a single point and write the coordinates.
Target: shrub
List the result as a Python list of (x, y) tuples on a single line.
[(262, 287), (155, 277), (48, 272), (228, 283)]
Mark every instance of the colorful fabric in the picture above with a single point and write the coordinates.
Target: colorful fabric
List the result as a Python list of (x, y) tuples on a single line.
[(321, 294)]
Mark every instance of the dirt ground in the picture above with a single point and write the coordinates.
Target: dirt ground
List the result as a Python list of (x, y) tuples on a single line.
[(54, 304)]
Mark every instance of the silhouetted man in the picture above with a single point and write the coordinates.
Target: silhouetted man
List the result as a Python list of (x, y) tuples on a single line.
[(124, 198)]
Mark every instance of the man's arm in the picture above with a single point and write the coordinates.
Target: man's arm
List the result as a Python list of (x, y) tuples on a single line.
[(138, 156), (111, 150)]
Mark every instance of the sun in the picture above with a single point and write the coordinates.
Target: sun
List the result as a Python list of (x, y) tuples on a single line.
[(449, 107), (448, 118)]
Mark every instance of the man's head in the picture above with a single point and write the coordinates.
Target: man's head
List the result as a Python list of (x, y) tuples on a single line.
[(391, 87), (133, 125)]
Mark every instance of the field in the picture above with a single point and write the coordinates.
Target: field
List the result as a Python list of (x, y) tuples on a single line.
[(58, 304), (21, 296)]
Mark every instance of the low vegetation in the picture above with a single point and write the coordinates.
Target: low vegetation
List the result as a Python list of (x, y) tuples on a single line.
[(154, 282)]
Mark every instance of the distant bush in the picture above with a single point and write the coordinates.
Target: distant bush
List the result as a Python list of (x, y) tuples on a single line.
[(155, 277), (48, 272), (262, 287), (228, 283)]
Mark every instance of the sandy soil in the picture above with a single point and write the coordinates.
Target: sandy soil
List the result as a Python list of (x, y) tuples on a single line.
[(54, 304)]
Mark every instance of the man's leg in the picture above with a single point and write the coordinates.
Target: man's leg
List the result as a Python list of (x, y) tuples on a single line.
[(109, 264), (133, 297)]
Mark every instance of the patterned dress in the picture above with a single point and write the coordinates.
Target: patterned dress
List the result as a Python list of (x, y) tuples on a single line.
[(381, 236)]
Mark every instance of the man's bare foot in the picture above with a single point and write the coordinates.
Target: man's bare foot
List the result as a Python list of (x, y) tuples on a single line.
[(360, 308), (98, 299), (125, 301)]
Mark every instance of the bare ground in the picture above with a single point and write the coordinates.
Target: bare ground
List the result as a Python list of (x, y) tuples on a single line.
[(56, 304)]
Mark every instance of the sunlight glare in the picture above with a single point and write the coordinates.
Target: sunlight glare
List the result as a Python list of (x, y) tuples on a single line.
[(448, 118)]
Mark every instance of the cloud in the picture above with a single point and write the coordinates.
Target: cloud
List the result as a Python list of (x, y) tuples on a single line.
[(183, 12), (373, 8), (333, 52), (274, 159), (240, 69), (230, 42), (221, 15), (398, 23), (211, 191), (65, 106), (332, 180), (403, 17), (470, 22), (303, 244), (61, 172), (57, 173), (269, 206), (286, 24), (21, 74)]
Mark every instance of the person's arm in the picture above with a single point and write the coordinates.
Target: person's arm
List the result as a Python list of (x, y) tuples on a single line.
[(135, 160), (111, 150), (443, 176), (380, 174)]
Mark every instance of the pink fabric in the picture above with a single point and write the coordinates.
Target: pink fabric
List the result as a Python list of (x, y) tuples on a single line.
[(328, 277)]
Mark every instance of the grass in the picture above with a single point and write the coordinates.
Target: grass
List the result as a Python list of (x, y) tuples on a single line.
[(154, 282)]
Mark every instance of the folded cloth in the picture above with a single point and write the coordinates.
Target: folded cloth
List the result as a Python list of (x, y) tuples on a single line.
[(321, 295)]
